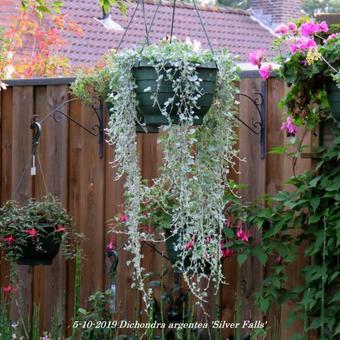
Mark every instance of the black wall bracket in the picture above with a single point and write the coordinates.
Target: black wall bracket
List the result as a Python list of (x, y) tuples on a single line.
[(59, 114), (257, 127)]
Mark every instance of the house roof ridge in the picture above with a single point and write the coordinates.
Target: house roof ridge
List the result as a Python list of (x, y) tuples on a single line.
[(206, 8)]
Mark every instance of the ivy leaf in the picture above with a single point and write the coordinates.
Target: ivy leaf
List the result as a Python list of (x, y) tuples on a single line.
[(315, 201), (241, 258)]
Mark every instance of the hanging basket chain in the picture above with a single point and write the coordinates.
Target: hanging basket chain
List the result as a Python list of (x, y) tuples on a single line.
[(172, 21)]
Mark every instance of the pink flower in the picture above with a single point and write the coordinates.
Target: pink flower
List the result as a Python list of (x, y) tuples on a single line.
[(123, 218), (289, 127), (190, 244), (292, 27), (8, 289), (60, 228), (243, 235), (226, 252), (323, 27), (256, 57), (265, 71), (302, 44), (111, 246), (32, 232), (332, 36), (278, 259), (309, 28), (282, 29), (9, 240)]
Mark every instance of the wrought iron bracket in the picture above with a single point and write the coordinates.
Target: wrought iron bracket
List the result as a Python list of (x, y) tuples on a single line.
[(259, 126), (59, 114)]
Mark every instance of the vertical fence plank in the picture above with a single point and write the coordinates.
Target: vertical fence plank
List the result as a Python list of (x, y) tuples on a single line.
[(21, 180), (252, 174), (6, 162), (50, 281)]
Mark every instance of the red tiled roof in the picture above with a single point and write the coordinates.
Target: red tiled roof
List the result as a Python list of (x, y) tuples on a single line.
[(231, 28)]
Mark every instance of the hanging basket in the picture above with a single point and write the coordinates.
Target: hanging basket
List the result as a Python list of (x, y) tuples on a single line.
[(333, 93), (44, 254), (150, 113)]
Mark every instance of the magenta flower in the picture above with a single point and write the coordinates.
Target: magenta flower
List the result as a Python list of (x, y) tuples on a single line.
[(31, 232), (278, 259), (289, 127), (256, 57), (265, 71), (123, 218), (111, 246), (60, 228), (332, 36), (302, 44), (243, 235), (9, 240), (282, 29), (226, 252), (8, 289), (323, 27), (190, 244), (292, 27), (309, 28)]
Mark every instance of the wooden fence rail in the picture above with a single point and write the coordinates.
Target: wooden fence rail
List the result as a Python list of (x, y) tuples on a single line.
[(84, 183)]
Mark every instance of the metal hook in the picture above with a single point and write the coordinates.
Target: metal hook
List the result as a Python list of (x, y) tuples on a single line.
[(36, 127)]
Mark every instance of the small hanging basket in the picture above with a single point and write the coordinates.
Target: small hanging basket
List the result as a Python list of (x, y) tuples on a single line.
[(333, 93), (150, 112), (44, 254)]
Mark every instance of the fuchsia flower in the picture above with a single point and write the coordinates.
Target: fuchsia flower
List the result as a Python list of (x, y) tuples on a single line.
[(265, 71), (278, 259), (190, 244), (9, 240), (289, 127), (226, 252), (243, 235), (282, 29), (123, 218), (256, 57), (32, 232), (111, 246), (60, 228), (8, 289)]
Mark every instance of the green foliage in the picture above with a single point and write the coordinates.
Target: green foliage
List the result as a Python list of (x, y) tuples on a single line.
[(308, 215), (313, 7), (43, 7), (6, 331), (94, 85), (99, 311), (35, 329)]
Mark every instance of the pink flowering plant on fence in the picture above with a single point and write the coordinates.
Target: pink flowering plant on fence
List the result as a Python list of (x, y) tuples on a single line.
[(309, 61)]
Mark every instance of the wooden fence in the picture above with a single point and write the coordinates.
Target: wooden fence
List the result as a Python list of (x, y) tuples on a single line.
[(84, 183)]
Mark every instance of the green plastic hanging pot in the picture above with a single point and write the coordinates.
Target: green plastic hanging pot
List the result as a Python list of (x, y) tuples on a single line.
[(48, 250), (146, 77), (333, 93)]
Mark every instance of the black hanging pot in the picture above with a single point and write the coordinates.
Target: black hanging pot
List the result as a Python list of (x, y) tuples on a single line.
[(146, 77), (49, 244), (333, 93), (175, 255)]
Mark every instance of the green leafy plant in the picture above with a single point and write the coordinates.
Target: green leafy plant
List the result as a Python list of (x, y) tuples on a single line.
[(29, 225), (310, 216), (196, 159), (99, 311)]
